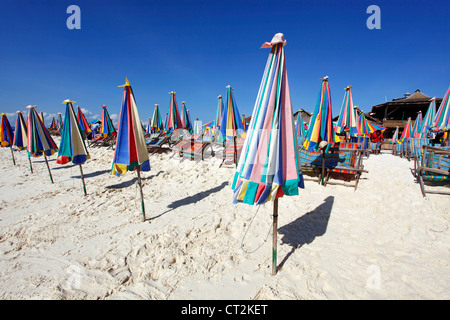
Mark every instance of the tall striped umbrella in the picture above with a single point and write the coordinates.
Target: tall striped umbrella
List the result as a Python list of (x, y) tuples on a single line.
[(347, 115), (84, 125), (219, 112), (406, 131), (321, 126), (71, 146), (131, 150), (442, 119), (366, 128), (53, 125), (20, 135), (6, 134), (395, 136), (107, 128), (415, 130), (39, 140), (231, 125), (185, 119), (268, 168), (174, 120), (156, 123), (427, 120)]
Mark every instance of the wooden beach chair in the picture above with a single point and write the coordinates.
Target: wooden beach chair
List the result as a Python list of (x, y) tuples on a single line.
[(434, 167), (311, 164), (157, 142), (232, 151)]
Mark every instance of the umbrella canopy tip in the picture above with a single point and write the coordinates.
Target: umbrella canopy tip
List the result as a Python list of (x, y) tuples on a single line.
[(68, 101)]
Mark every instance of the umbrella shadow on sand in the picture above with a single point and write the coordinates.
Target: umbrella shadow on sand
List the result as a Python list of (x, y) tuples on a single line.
[(131, 182), (306, 228), (191, 199)]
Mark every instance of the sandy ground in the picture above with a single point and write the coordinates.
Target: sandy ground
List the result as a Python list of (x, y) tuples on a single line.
[(382, 241)]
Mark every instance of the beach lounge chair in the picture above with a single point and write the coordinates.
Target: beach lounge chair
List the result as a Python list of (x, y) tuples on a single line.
[(434, 167), (417, 152), (101, 141), (232, 151), (193, 147), (157, 142)]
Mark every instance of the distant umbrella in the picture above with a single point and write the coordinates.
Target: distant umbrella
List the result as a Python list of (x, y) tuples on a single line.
[(442, 119), (107, 128), (347, 118), (84, 125), (219, 112), (174, 120), (427, 120), (6, 135)]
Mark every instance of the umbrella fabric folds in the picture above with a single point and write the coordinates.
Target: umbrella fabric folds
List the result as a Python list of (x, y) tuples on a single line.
[(406, 131), (6, 134), (395, 136), (198, 128), (231, 124), (53, 125), (131, 151), (156, 123), (72, 147), (20, 135), (347, 116), (219, 112), (427, 120), (185, 119), (442, 119), (173, 120), (84, 125), (366, 128), (415, 130), (268, 167), (300, 128), (321, 126), (107, 128), (39, 140)]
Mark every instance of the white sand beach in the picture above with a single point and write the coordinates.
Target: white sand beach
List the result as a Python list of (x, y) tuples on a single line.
[(382, 241)]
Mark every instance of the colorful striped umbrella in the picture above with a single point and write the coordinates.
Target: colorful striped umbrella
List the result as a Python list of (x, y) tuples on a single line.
[(219, 112), (442, 119), (39, 140), (406, 131), (107, 128), (231, 125), (300, 128), (347, 115), (156, 123), (427, 121), (366, 128), (321, 126), (6, 134), (20, 135), (53, 125), (395, 136), (415, 130), (71, 146), (244, 123), (268, 168), (185, 119), (174, 120), (131, 150), (84, 125), (60, 122)]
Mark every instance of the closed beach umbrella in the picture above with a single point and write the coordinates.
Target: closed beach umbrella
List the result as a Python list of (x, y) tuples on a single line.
[(39, 140), (84, 125), (185, 119), (156, 123), (231, 125), (53, 125), (71, 146), (107, 128), (20, 135), (174, 119), (60, 122), (395, 136), (300, 129), (268, 168), (347, 115), (198, 128), (131, 150), (321, 126), (427, 120), (406, 131), (415, 130), (219, 112), (6, 135), (442, 119)]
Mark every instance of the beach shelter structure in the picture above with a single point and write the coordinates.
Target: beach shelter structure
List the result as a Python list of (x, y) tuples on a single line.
[(6, 135), (131, 151), (219, 112), (185, 118), (20, 135), (156, 124), (321, 126), (84, 125), (427, 120), (72, 147), (174, 120), (39, 140), (347, 116), (268, 168), (106, 128), (441, 120)]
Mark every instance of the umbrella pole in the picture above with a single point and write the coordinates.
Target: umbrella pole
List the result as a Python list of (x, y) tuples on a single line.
[(48, 167), (31, 167), (274, 237), (323, 165), (142, 196), (82, 178), (235, 151), (12, 153)]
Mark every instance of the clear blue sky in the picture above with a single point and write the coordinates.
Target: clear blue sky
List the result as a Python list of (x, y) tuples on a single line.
[(197, 48)]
